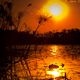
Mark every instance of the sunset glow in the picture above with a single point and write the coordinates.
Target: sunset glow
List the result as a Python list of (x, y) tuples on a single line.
[(57, 9), (39, 39)]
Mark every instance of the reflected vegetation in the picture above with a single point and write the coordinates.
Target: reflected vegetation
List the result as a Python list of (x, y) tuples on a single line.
[(20, 60), (36, 63)]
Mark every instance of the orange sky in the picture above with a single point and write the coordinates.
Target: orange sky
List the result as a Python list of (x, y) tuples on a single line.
[(31, 16)]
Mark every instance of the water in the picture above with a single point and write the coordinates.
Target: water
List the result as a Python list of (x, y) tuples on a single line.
[(41, 56)]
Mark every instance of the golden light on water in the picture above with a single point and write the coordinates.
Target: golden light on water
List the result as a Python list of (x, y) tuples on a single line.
[(54, 50), (41, 66), (55, 73), (57, 9)]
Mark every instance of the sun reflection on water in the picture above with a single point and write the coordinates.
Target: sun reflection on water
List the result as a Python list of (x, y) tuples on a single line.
[(56, 54), (54, 50)]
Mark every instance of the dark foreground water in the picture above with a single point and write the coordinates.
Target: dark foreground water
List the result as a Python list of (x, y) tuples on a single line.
[(41, 56)]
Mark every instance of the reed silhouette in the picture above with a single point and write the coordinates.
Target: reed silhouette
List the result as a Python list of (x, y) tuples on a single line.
[(10, 36)]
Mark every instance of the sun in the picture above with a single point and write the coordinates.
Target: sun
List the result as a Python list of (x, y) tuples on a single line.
[(57, 9)]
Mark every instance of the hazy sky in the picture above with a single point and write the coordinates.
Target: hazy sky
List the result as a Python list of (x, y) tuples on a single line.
[(31, 15)]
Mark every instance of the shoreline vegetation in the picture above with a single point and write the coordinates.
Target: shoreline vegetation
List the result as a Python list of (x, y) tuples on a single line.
[(10, 37)]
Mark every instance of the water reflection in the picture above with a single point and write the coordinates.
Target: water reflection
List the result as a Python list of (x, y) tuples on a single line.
[(53, 50), (41, 56)]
